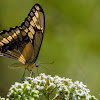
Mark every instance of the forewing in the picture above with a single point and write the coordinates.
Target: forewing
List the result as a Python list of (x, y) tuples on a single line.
[(40, 24), (34, 24)]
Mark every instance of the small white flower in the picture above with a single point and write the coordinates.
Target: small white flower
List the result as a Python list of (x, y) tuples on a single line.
[(28, 87), (88, 97), (2, 98), (52, 79), (74, 97), (26, 82), (36, 91), (43, 81), (79, 97), (37, 87), (38, 77), (43, 75), (20, 90), (52, 85), (41, 87), (35, 80), (72, 85)]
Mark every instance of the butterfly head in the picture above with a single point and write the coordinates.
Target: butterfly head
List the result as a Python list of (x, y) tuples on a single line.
[(32, 66), (37, 65)]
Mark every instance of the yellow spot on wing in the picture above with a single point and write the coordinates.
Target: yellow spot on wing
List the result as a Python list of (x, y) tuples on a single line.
[(37, 7), (36, 22), (34, 19), (32, 23), (9, 38), (23, 33), (25, 29), (32, 30), (29, 18), (27, 23), (17, 31), (30, 35), (1, 44), (31, 14), (22, 59), (5, 41), (14, 36), (36, 14), (33, 10)]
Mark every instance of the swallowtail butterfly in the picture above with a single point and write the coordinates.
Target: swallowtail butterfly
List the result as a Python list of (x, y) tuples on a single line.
[(23, 42)]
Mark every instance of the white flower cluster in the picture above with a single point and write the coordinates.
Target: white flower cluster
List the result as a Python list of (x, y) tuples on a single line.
[(53, 88)]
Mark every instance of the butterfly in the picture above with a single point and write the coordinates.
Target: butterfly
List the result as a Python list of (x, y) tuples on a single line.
[(23, 42)]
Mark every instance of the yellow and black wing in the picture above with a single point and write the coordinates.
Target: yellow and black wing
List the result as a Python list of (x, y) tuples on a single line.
[(23, 43)]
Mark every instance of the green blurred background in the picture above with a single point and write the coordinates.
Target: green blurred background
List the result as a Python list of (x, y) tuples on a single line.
[(71, 40)]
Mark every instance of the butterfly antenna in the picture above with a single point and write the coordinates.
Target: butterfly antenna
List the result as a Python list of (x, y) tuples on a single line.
[(22, 79), (46, 68), (31, 73), (37, 72)]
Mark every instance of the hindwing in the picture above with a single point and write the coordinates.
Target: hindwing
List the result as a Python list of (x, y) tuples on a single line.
[(23, 43)]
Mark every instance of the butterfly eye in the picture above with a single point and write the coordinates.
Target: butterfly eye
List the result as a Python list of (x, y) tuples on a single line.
[(37, 65)]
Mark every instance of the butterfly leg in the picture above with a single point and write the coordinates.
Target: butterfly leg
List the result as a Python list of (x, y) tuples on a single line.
[(22, 79), (37, 72), (31, 73)]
